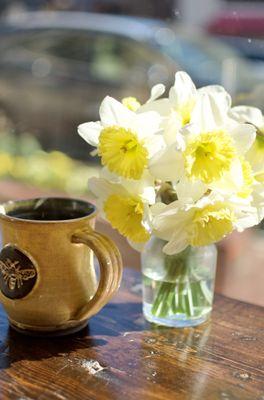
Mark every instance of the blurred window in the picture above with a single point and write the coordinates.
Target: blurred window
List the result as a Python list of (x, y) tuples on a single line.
[(202, 58), (94, 56)]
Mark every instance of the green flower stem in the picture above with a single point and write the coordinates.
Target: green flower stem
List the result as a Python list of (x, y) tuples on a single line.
[(180, 292)]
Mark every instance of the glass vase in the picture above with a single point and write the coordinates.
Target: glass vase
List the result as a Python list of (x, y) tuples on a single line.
[(178, 289)]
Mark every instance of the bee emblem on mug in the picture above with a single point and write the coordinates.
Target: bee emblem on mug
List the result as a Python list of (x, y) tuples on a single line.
[(13, 275), (17, 273)]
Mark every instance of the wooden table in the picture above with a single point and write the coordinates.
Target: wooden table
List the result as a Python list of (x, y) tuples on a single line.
[(119, 356)]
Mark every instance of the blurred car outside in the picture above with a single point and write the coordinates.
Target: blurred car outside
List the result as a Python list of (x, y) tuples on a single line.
[(55, 68), (242, 29), (242, 22), (251, 48), (148, 8), (208, 60)]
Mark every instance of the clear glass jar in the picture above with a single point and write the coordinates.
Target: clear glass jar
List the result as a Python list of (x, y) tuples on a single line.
[(178, 289)]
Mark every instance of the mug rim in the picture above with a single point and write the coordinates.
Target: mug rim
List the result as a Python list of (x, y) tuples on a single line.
[(43, 199)]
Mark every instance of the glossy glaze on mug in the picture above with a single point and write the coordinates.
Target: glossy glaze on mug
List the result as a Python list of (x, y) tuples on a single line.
[(64, 277)]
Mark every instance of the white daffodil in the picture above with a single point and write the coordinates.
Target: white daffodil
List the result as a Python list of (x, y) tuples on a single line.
[(176, 109), (183, 107), (188, 191), (125, 203), (209, 151), (125, 140), (203, 159), (250, 115), (239, 180), (202, 223), (255, 155)]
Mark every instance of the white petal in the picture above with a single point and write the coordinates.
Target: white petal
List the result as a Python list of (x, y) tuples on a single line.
[(170, 225), (145, 187), (165, 210), (220, 91), (154, 144), (112, 112), (110, 176), (164, 219), (209, 113), (156, 92), (211, 89), (90, 132), (157, 208), (190, 129), (146, 124), (232, 181), (246, 215), (246, 221), (247, 114), (167, 165), (102, 189), (183, 91), (148, 194), (212, 198), (172, 126), (163, 230), (161, 106), (244, 136), (141, 188), (136, 246), (168, 218), (177, 243), (188, 191), (147, 218)]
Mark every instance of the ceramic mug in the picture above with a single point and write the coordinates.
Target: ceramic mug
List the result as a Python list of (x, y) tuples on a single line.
[(48, 283)]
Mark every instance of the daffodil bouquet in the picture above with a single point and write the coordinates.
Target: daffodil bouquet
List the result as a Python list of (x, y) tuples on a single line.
[(187, 168)]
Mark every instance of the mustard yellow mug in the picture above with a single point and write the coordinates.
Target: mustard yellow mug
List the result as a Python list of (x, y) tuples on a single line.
[(48, 283)]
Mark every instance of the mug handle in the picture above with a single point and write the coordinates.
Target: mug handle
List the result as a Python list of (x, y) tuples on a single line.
[(111, 268)]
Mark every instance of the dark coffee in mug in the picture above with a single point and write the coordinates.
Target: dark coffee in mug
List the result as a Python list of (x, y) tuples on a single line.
[(56, 209), (47, 215)]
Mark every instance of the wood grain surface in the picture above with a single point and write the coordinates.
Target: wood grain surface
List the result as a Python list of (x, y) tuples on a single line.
[(119, 356)]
